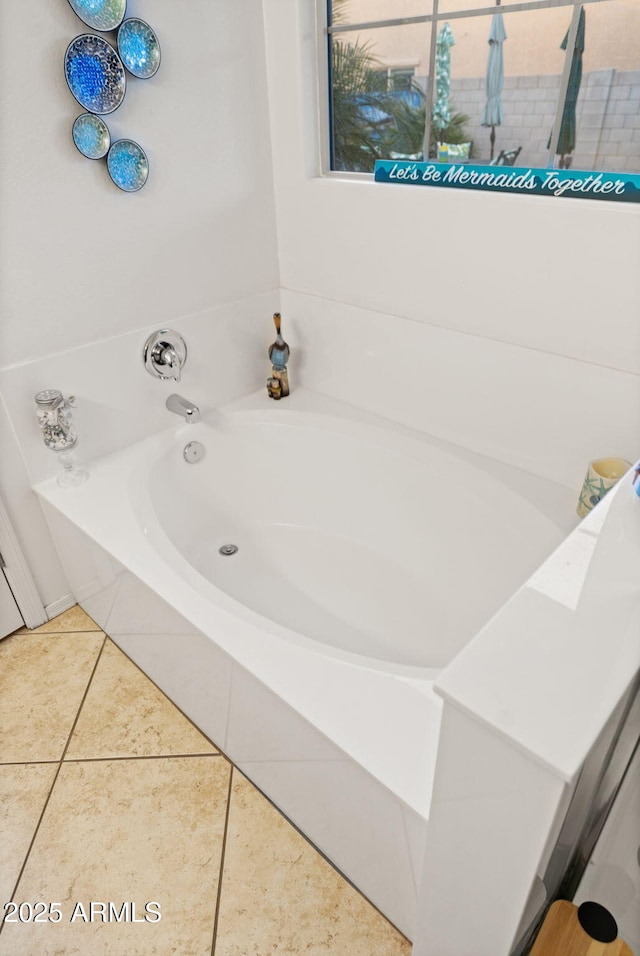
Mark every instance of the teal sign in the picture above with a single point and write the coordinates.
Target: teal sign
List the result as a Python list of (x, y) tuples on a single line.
[(575, 183)]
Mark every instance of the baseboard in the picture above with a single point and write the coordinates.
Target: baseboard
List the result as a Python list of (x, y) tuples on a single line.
[(62, 604)]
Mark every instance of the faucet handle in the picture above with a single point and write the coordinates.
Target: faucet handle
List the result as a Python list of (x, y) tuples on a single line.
[(164, 354), (167, 358)]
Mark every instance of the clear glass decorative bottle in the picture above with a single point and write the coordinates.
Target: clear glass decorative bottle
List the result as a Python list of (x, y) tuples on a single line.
[(59, 433)]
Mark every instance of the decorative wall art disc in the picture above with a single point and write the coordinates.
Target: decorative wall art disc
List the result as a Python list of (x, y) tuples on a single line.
[(95, 74), (139, 48), (100, 14), (91, 135), (128, 165)]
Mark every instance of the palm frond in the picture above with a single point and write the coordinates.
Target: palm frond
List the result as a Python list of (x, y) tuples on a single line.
[(369, 121)]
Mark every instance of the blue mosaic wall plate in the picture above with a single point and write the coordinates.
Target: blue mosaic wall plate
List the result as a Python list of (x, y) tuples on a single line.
[(91, 135), (128, 165), (95, 74), (100, 14), (139, 48)]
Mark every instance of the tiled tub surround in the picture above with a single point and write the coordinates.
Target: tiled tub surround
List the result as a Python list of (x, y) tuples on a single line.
[(112, 414), (613, 875), (108, 793), (533, 405), (344, 744), (531, 708), (521, 407), (545, 414)]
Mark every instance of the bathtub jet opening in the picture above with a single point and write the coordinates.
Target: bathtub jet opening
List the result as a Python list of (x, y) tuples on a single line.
[(228, 549)]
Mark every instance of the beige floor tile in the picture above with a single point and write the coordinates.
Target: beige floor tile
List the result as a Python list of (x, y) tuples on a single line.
[(127, 831), (74, 619), (23, 793), (124, 714), (280, 896), (42, 680)]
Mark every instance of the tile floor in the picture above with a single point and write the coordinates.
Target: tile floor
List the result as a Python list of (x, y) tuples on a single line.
[(110, 795)]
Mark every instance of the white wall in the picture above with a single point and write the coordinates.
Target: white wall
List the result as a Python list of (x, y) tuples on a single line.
[(82, 263), (556, 280)]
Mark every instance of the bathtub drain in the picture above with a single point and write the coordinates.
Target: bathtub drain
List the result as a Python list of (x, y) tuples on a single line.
[(228, 549)]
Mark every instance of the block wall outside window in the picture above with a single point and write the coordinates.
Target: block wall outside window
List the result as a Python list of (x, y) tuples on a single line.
[(608, 133)]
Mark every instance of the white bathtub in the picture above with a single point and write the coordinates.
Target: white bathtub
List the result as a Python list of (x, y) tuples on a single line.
[(368, 555)]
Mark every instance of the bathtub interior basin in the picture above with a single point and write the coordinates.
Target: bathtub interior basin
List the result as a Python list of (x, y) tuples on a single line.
[(369, 541)]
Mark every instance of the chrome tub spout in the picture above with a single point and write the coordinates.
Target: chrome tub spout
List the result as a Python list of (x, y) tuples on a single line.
[(181, 406)]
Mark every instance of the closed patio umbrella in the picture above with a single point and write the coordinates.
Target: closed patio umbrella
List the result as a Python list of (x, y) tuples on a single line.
[(441, 114), (567, 135), (492, 114)]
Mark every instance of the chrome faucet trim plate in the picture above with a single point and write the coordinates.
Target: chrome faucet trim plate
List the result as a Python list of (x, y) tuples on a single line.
[(164, 354)]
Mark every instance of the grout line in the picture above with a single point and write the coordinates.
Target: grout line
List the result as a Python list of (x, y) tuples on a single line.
[(180, 756), (458, 331), (55, 778), (166, 696), (132, 756), (314, 760), (112, 604), (36, 632), (222, 858), (234, 768), (133, 334), (84, 697), (320, 852), (213, 743), (407, 845), (219, 753), (25, 763), (227, 716)]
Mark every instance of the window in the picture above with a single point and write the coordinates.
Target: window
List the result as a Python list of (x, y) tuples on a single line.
[(550, 82), (393, 79), (400, 79)]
